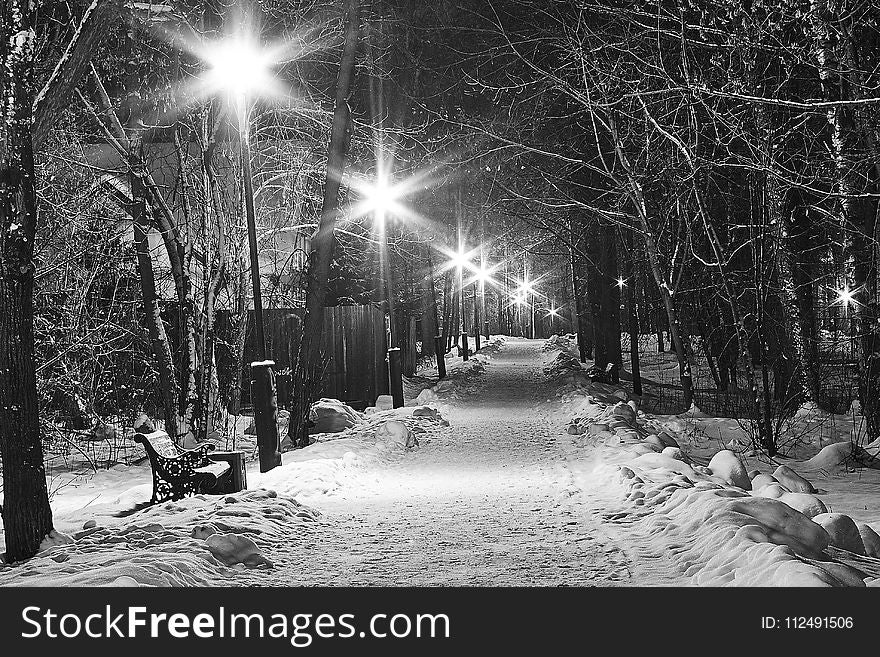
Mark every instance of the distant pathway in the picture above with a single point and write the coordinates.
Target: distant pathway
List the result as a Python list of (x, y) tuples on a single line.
[(490, 501)]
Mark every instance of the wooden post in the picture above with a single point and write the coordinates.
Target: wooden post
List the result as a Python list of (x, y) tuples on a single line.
[(439, 348), (395, 375), (265, 414)]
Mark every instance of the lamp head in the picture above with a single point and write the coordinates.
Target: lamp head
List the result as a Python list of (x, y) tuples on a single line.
[(845, 296), (239, 67)]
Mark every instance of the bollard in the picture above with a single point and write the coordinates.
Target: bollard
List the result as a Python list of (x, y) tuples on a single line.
[(265, 405), (395, 373), (464, 345), (440, 348)]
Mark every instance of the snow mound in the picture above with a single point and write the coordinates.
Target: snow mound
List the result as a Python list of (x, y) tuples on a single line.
[(704, 518), (567, 342), (840, 455), (726, 464), (332, 416), (792, 480), (870, 540), (810, 505), (233, 549), (562, 363), (199, 541), (843, 531), (394, 433), (461, 374)]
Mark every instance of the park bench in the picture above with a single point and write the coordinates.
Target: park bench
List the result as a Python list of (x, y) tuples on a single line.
[(178, 472)]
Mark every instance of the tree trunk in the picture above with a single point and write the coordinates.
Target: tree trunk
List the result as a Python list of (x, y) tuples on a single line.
[(27, 517), (581, 322), (322, 243), (447, 308), (161, 347), (97, 21), (633, 319), (155, 326), (429, 307), (611, 299), (797, 291)]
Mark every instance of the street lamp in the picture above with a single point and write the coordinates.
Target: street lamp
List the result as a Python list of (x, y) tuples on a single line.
[(483, 275), (460, 260), (552, 315), (525, 294), (240, 69), (846, 297), (381, 200)]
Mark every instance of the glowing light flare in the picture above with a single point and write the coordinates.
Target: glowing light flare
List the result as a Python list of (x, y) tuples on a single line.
[(845, 296), (239, 66), (484, 275), (381, 197), (621, 282), (459, 260), (527, 287)]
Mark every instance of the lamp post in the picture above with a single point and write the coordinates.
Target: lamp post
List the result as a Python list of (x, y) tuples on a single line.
[(382, 199), (238, 67), (247, 176)]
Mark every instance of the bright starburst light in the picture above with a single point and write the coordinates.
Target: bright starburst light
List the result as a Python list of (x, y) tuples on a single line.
[(459, 260), (484, 275), (241, 64), (846, 297)]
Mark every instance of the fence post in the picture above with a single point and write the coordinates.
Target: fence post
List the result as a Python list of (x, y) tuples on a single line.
[(439, 349), (396, 374)]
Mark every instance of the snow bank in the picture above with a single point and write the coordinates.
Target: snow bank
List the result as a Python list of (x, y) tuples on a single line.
[(199, 541), (844, 454), (461, 374), (332, 415), (566, 342), (718, 525)]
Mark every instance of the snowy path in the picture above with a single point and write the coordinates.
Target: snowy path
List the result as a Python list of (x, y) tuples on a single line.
[(489, 502)]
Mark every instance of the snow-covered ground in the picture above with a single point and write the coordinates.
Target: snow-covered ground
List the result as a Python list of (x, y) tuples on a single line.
[(540, 478)]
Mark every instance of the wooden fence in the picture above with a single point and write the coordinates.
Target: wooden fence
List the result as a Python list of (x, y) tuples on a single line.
[(354, 339), (668, 399)]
